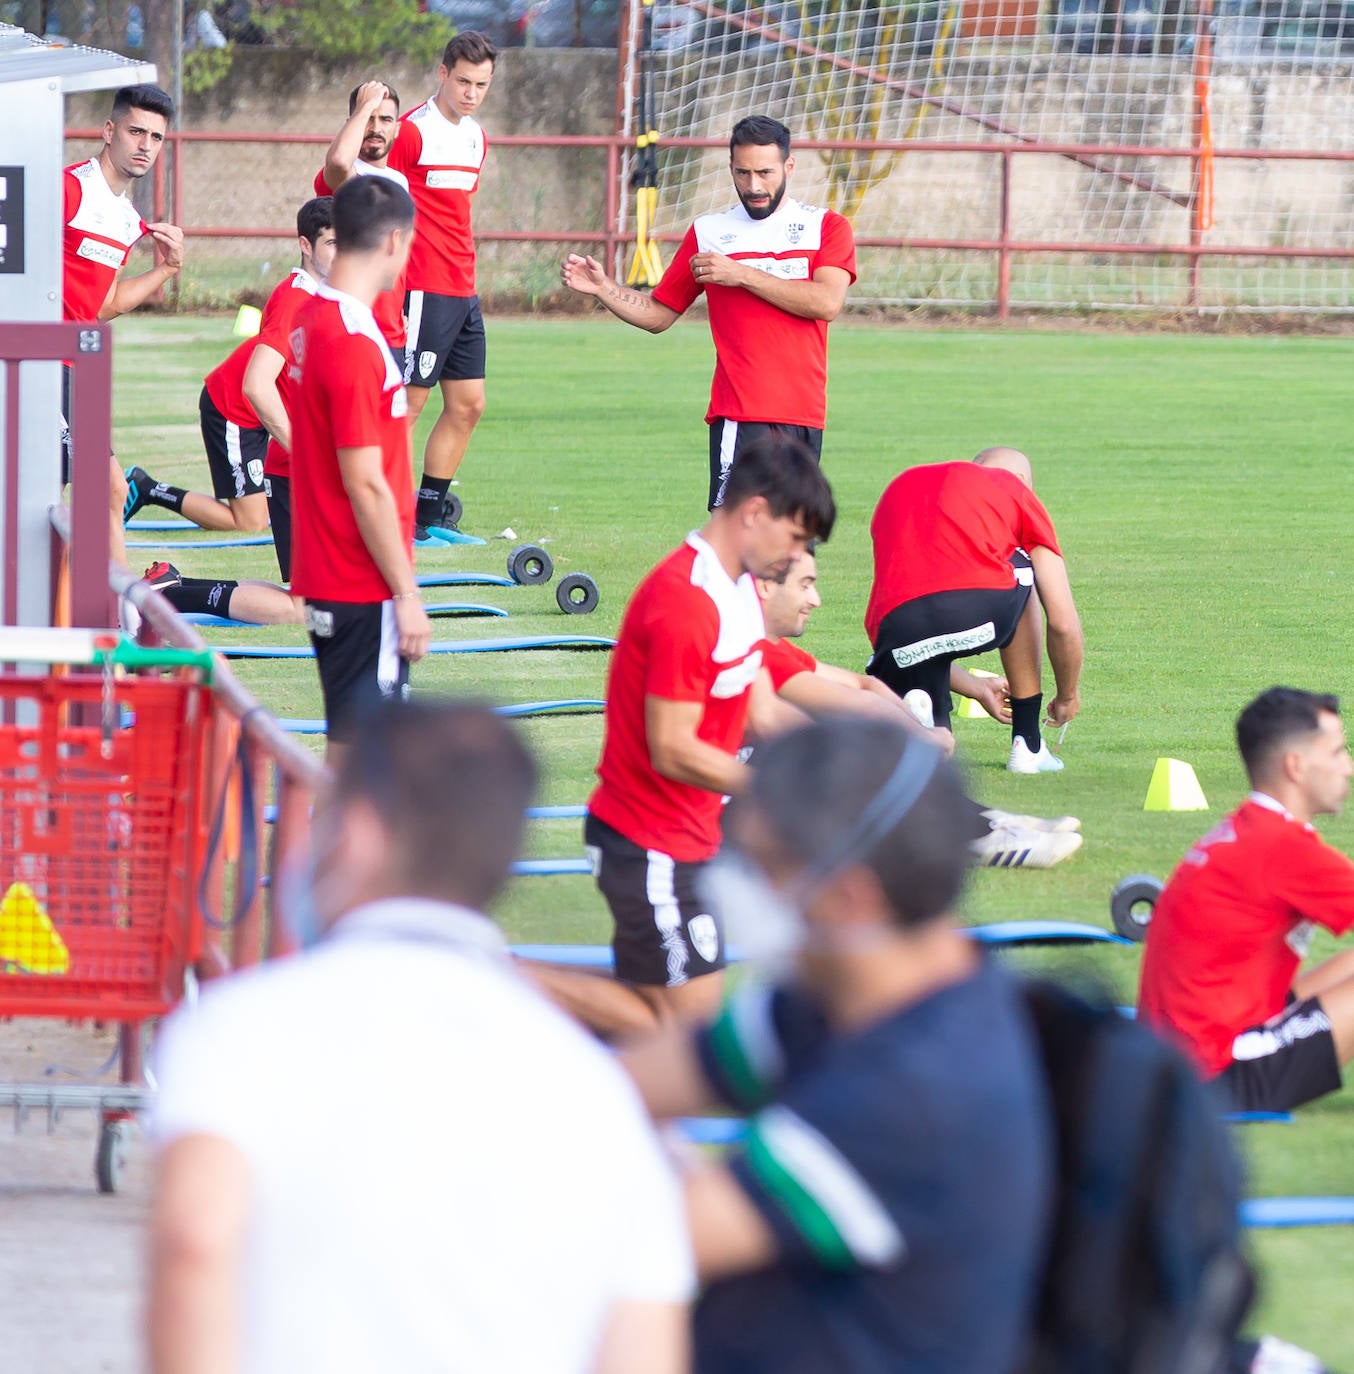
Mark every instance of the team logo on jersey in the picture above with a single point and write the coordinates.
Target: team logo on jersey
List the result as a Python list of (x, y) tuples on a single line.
[(297, 340), (726, 239), (255, 466), (704, 936), (426, 363), (794, 232)]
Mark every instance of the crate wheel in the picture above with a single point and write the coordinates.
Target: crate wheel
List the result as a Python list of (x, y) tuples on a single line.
[(111, 1156), (530, 565), (577, 594), (1131, 904)]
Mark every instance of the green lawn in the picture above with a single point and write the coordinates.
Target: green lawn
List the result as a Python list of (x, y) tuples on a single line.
[(1202, 489)]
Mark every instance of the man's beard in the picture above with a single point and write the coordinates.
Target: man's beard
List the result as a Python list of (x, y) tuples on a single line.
[(764, 212)]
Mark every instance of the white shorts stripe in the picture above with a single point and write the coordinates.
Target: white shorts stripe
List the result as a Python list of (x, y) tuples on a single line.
[(862, 1221), (236, 457), (388, 656), (413, 321), (667, 915)]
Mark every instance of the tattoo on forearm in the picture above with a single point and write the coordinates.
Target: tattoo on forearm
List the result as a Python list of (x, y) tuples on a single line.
[(634, 298)]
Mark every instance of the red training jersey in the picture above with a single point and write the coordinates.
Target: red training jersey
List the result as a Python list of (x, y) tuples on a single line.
[(389, 307), (784, 659), (770, 365), (225, 382), (690, 633), (349, 394), (99, 229), (442, 161), (1233, 924), (279, 319), (950, 527)]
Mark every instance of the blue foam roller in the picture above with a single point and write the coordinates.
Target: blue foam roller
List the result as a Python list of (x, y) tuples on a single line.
[(464, 579), (236, 541), (444, 646), (552, 868), (1298, 1211), (1043, 933), (548, 708), (436, 608), (445, 536), (556, 813)]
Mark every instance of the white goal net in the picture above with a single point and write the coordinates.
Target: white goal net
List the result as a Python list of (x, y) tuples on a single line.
[(1209, 78)]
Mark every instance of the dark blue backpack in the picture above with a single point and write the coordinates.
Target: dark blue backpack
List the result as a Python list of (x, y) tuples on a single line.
[(1145, 1272)]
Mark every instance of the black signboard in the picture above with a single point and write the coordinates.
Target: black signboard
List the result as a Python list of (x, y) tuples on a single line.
[(11, 220)]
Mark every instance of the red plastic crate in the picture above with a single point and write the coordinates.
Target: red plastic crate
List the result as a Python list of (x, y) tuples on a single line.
[(104, 827)]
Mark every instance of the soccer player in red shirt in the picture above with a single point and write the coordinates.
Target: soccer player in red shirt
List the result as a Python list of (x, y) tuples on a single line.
[(685, 680), (100, 225), (958, 549), (1229, 932), (361, 149), (774, 273), (353, 496), (440, 147)]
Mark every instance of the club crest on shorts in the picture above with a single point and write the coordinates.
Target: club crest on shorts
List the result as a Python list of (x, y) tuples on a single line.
[(703, 932), (320, 623), (426, 362), (255, 466)]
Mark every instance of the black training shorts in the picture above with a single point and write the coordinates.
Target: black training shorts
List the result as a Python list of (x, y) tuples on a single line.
[(357, 651), (234, 455), (446, 339), (1289, 1060), (663, 936), (278, 491), (728, 438)]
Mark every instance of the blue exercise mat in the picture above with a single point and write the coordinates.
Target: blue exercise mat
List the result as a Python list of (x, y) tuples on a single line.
[(162, 526), (433, 608), (218, 622), (1255, 1118), (1044, 933), (552, 868), (467, 608), (1297, 1211), (584, 705), (712, 1130), (236, 541), (464, 579), (556, 813), (442, 646)]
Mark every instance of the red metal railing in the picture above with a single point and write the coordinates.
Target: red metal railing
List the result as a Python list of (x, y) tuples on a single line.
[(614, 240)]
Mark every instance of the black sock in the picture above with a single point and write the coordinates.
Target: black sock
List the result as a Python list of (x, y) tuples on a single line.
[(162, 494), (1025, 720), (201, 596), (430, 497)]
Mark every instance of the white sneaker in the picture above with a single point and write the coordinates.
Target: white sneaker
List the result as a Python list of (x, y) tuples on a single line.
[(919, 703), (1056, 824), (1006, 846), (1023, 761)]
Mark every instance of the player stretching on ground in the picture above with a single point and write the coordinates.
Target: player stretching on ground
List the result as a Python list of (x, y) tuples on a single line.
[(774, 273), (441, 148), (100, 226), (353, 498), (685, 680), (360, 149)]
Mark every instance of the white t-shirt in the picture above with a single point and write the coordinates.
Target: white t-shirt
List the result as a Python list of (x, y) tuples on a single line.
[(448, 1174)]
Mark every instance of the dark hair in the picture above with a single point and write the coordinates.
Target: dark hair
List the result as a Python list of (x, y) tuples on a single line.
[(366, 209), (1273, 720), (468, 46), (391, 94), (786, 473), (812, 786), (760, 131), (451, 782), (314, 217), (144, 97)]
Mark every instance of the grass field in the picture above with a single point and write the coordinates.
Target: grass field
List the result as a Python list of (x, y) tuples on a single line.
[(1202, 489)]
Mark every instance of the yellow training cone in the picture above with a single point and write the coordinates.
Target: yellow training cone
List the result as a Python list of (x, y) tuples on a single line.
[(248, 321), (27, 937), (1174, 788), (968, 709)]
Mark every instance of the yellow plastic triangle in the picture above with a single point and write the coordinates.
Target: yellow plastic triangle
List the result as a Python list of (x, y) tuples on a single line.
[(1174, 787), (28, 939), (968, 709)]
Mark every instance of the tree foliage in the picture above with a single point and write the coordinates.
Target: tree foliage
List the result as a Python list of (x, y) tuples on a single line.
[(356, 30)]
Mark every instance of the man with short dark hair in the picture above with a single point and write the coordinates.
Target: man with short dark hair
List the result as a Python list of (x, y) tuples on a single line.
[(887, 1209), (100, 228), (441, 148), (361, 149), (353, 506), (774, 273), (290, 1232), (1229, 932), (965, 556), (685, 681)]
